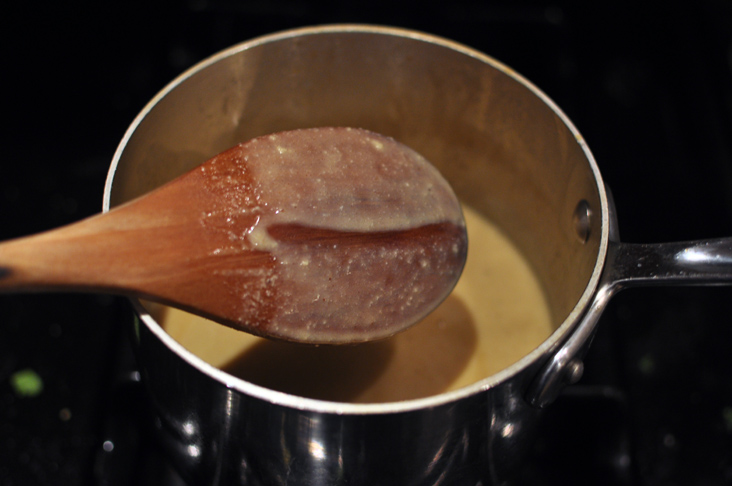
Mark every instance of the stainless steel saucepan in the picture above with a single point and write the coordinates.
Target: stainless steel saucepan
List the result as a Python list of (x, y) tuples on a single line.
[(509, 153)]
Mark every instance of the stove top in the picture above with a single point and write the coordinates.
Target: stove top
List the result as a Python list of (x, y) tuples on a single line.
[(650, 89)]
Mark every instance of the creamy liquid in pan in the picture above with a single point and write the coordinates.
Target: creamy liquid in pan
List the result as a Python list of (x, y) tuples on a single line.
[(495, 316)]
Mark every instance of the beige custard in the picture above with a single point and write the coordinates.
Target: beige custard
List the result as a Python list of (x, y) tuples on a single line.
[(496, 314)]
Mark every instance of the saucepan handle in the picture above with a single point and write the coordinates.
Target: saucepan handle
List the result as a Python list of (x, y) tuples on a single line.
[(702, 262)]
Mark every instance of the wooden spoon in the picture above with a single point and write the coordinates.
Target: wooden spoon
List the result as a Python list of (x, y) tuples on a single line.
[(326, 235)]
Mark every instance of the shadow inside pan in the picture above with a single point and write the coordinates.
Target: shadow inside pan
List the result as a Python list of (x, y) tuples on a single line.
[(421, 361)]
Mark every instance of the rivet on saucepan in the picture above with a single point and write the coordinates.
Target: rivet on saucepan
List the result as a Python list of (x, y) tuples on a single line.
[(574, 370), (581, 218)]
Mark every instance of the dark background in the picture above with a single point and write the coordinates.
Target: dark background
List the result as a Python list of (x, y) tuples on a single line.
[(650, 88)]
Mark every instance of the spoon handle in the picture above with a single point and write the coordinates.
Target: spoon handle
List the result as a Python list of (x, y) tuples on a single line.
[(81, 256), (148, 248), (130, 253)]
